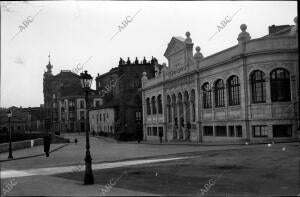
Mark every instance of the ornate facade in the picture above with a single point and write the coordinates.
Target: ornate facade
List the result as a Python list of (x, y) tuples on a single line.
[(64, 101), (245, 93)]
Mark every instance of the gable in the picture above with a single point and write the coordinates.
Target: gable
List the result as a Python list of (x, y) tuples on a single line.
[(174, 45)]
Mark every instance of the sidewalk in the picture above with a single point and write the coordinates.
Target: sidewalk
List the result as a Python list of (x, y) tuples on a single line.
[(55, 186), (30, 152), (190, 143)]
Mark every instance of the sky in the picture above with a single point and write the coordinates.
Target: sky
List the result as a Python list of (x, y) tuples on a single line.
[(91, 32)]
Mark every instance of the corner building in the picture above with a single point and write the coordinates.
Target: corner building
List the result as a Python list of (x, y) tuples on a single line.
[(244, 93)]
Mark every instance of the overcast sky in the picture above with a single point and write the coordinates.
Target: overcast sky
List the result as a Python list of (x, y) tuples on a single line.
[(74, 31)]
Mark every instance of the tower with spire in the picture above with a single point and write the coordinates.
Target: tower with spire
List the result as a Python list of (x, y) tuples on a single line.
[(47, 84)]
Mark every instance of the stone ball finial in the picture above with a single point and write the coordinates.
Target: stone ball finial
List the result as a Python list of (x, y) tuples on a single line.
[(243, 27), (188, 34), (188, 39), (243, 36), (198, 56)]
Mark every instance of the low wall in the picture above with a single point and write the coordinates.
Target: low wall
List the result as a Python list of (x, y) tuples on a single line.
[(30, 143)]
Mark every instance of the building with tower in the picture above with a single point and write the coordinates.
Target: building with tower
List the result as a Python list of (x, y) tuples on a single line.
[(247, 92), (64, 101)]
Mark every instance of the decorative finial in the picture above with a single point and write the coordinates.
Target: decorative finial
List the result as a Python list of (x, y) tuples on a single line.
[(49, 57), (243, 36), (128, 61), (144, 60), (243, 27), (198, 56), (188, 39)]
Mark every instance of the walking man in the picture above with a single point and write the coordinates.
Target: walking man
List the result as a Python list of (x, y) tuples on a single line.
[(47, 142)]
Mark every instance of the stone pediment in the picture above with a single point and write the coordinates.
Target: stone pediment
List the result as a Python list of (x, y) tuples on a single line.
[(176, 44)]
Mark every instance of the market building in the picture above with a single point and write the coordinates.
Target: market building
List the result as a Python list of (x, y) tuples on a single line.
[(247, 92)]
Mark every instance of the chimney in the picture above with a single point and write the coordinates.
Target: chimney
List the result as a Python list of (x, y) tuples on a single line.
[(274, 29)]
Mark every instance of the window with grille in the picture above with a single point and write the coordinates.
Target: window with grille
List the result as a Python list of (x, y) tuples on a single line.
[(258, 86), (219, 93), (260, 131), (282, 130), (280, 85), (221, 131), (234, 90), (208, 131), (206, 89)]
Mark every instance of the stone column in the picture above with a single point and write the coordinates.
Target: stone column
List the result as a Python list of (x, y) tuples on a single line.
[(184, 118), (268, 89), (178, 118), (191, 111), (234, 129), (213, 102), (156, 104)]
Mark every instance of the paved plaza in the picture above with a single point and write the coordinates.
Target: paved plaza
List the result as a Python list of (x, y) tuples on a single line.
[(145, 169)]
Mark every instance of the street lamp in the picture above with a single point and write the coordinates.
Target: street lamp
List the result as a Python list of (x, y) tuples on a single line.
[(86, 81), (9, 115)]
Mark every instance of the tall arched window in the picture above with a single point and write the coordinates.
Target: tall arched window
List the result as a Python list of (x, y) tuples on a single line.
[(153, 105), (280, 85), (258, 86), (148, 106), (206, 95), (159, 104), (234, 90), (219, 93)]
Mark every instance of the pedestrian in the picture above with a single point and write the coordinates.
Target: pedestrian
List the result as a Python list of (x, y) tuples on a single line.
[(75, 140), (160, 134), (47, 142)]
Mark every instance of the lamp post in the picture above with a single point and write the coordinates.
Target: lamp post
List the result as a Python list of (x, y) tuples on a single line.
[(9, 115), (86, 81)]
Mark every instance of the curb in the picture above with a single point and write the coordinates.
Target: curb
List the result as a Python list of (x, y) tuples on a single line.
[(203, 144), (31, 156)]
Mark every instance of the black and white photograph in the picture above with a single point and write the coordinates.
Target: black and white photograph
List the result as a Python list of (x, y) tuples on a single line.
[(149, 98)]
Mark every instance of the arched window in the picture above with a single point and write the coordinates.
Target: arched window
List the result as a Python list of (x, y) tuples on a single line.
[(234, 90), (159, 104), (206, 96), (280, 85), (153, 105), (258, 86), (148, 106), (219, 93)]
